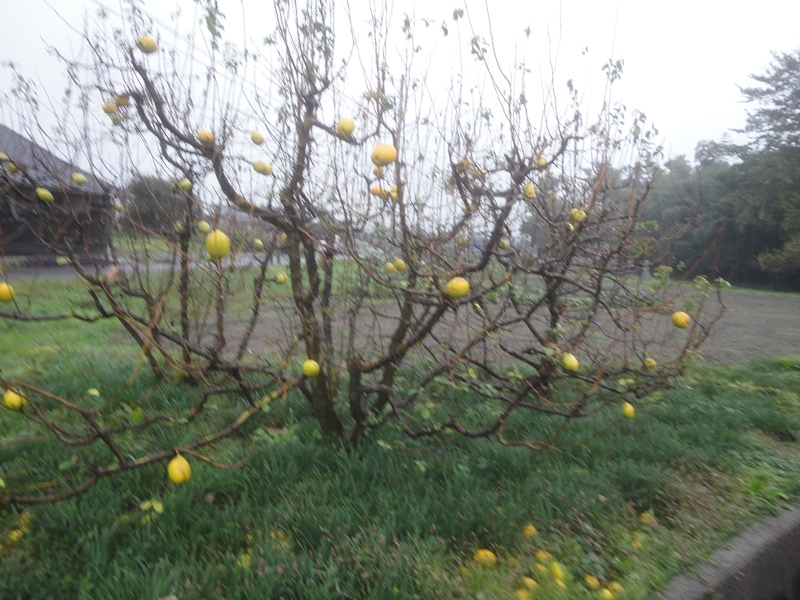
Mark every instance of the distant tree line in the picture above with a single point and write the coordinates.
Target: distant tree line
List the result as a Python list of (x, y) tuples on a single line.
[(738, 206)]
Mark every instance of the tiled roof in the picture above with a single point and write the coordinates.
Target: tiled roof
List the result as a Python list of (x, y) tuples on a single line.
[(41, 167)]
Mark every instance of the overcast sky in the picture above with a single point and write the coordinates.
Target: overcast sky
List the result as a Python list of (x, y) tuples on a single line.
[(683, 59)]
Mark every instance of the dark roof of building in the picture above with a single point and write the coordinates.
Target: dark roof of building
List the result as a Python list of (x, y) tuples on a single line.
[(41, 168)]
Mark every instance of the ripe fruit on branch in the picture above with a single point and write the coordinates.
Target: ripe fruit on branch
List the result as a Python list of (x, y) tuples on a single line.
[(504, 244), (203, 227), (13, 400), (184, 184), (263, 168), (463, 165), (117, 206), (457, 287), (218, 244), (257, 138), (109, 108), (377, 171), (541, 161), (122, 99), (345, 126), (577, 214), (44, 194), (280, 278), (569, 362), (310, 368), (485, 558), (205, 137), (529, 190), (681, 320), (384, 154), (258, 244), (147, 44), (390, 268), (6, 292), (78, 178), (179, 470), (628, 410), (650, 363), (284, 238), (400, 264)]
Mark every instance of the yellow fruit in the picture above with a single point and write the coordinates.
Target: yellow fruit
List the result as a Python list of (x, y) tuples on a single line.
[(14, 536), (485, 558), (116, 119), (13, 400), (12, 168), (147, 44), (628, 410), (457, 287), (542, 555), (258, 244), (393, 193), (556, 570), (78, 178), (122, 99), (205, 137), (203, 227), (463, 165), (529, 582), (560, 584), (681, 320), (377, 190), (179, 470), (6, 292), (614, 587), (650, 363), (281, 279), (346, 126), (377, 171), (3, 157), (44, 194), (592, 581), (384, 154), (184, 184), (400, 264), (541, 161), (529, 530), (257, 138), (577, 214), (569, 362), (109, 108), (606, 594), (261, 167), (311, 368), (390, 268), (462, 240), (529, 190), (504, 244), (117, 206), (217, 244), (284, 238), (523, 594)]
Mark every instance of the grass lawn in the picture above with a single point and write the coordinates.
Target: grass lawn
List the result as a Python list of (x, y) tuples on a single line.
[(628, 502)]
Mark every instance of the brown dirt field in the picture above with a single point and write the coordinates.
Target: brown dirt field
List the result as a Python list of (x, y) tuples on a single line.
[(755, 325)]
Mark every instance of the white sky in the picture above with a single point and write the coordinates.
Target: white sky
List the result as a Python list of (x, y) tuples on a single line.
[(683, 59)]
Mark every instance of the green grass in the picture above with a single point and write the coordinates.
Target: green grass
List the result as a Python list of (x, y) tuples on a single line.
[(395, 518)]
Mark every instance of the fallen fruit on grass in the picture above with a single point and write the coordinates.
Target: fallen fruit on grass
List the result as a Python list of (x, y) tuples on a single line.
[(529, 582), (6, 292), (650, 363), (384, 154), (628, 410), (281, 279), (400, 264), (614, 587), (556, 570), (78, 178), (44, 194), (263, 168), (179, 470), (257, 138), (681, 320), (457, 287), (258, 244), (310, 368), (592, 581), (529, 530), (147, 44), (485, 558), (13, 400), (523, 594), (345, 126), (569, 362), (578, 215), (203, 227), (529, 190), (205, 137), (560, 584), (218, 244), (542, 555), (606, 594)]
